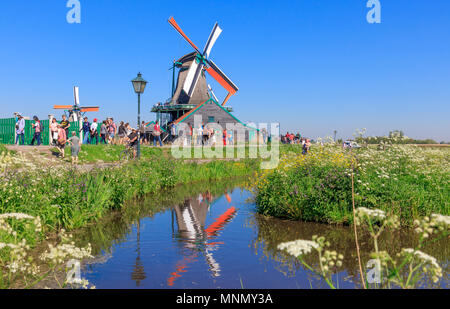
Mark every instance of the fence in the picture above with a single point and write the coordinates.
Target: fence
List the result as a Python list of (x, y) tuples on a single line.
[(8, 130)]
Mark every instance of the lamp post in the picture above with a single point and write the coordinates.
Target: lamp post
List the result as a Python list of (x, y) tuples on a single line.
[(139, 86)]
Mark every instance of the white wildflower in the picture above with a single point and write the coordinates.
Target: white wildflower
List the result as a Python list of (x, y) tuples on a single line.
[(298, 247)]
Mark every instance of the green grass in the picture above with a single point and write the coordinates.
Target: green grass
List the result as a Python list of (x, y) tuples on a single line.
[(111, 153)]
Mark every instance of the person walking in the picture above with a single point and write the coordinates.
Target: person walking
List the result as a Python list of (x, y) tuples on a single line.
[(65, 124), (86, 130), (199, 135), (54, 131), (157, 134), (190, 133), (62, 139), (37, 126), (103, 133), (75, 147), (94, 132), (306, 147), (142, 132), (112, 129), (121, 133), (20, 130), (133, 141), (128, 129), (225, 137)]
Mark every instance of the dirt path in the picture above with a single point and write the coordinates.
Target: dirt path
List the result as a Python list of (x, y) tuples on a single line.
[(46, 156)]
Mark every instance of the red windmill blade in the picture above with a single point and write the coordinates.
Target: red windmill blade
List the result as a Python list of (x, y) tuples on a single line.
[(202, 61)]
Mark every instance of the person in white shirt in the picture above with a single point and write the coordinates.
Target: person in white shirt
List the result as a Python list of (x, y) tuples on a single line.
[(20, 130), (94, 132)]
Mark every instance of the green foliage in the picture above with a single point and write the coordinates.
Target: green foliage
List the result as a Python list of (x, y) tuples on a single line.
[(406, 181)]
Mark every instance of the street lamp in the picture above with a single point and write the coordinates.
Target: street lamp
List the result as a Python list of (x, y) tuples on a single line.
[(139, 86)]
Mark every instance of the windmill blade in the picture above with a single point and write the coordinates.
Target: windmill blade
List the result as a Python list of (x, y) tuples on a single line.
[(221, 78), (212, 40), (76, 95), (192, 77), (89, 109), (175, 25), (67, 107), (212, 93)]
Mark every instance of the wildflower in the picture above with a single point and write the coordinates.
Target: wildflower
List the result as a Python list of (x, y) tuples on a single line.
[(363, 214), (298, 247), (429, 264)]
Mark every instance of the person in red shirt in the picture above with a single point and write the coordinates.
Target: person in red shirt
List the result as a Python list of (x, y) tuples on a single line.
[(157, 134), (225, 137)]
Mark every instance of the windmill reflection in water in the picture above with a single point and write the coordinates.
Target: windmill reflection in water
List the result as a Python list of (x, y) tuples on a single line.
[(192, 234)]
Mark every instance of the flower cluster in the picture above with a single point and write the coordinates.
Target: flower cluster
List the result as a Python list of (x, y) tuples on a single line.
[(298, 247), (432, 225), (65, 250), (331, 259), (373, 214), (429, 264), (20, 263)]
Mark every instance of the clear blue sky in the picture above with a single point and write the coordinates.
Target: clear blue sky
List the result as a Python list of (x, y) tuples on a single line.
[(313, 65)]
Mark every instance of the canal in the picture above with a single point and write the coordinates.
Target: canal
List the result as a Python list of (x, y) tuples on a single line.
[(209, 236)]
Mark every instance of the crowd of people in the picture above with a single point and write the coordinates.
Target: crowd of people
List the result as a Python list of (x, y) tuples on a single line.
[(109, 133), (202, 135), (296, 139), (124, 134)]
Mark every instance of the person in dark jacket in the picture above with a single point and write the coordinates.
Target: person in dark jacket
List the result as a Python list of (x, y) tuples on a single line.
[(86, 130), (38, 128)]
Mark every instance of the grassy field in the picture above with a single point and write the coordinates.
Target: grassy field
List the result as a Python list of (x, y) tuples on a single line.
[(407, 181)]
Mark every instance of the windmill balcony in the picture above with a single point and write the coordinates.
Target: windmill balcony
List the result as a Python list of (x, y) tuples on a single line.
[(166, 108)]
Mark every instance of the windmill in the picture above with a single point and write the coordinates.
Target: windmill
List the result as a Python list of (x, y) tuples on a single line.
[(76, 112), (203, 62)]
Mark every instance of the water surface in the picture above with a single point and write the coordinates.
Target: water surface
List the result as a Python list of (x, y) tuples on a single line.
[(214, 239)]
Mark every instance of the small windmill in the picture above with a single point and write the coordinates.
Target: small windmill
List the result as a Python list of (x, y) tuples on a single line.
[(203, 62), (76, 112)]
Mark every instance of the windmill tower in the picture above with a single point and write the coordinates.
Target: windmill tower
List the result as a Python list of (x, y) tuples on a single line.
[(192, 89)]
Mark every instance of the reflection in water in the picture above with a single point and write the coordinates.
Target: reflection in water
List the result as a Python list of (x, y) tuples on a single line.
[(201, 242), (138, 273), (194, 237)]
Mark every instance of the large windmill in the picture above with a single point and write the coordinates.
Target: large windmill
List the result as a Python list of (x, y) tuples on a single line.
[(191, 89), (76, 112), (203, 62)]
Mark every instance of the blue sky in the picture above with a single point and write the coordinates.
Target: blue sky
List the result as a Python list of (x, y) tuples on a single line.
[(315, 66)]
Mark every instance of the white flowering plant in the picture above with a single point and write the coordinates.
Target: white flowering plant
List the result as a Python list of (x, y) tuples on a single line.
[(328, 261), (410, 267), (19, 267)]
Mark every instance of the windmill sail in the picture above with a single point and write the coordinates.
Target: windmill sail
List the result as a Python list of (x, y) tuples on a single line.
[(202, 61), (212, 39), (192, 77), (76, 95)]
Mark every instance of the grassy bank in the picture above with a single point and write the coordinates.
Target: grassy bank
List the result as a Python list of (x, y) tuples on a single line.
[(66, 198), (407, 181)]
